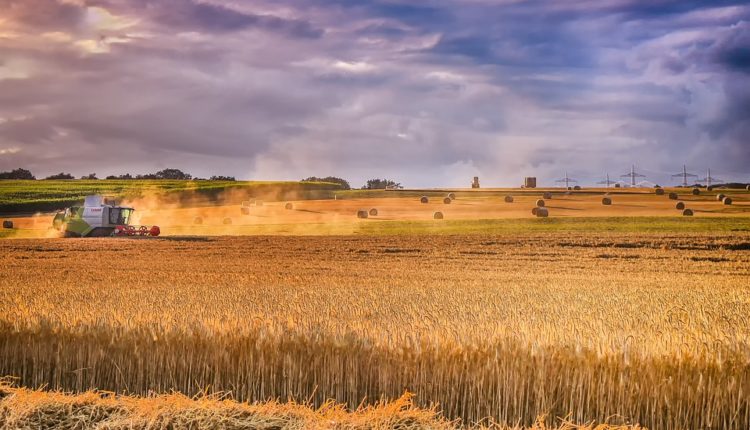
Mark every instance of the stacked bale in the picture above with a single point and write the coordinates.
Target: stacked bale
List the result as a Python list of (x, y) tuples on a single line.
[(570, 188), (696, 191), (447, 200), (8, 224), (727, 201), (673, 196), (540, 203), (373, 212), (680, 206), (606, 201), (542, 212), (720, 197), (245, 210), (437, 215), (288, 206), (197, 220), (451, 196), (659, 191), (362, 213), (424, 199), (709, 188), (227, 221), (508, 199), (687, 212), (577, 188), (547, 196)]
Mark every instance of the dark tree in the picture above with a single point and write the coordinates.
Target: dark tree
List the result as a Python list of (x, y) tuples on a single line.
[(125, 176), (332, 179), (381, 184), (222, 178), (17, 174), (89, 176), (175, 174), (61, 176)]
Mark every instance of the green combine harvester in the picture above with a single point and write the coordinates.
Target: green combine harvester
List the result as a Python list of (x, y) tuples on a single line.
[(100, 217)]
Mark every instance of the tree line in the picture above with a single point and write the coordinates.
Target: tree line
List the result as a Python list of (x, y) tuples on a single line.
[(175, 174)]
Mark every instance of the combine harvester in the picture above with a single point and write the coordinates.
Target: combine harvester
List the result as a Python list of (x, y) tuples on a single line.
[(99, 218)]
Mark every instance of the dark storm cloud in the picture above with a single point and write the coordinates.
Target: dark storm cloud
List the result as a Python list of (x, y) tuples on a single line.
[(430, 93)]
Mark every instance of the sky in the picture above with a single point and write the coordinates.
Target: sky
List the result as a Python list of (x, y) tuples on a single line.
[(428, 93)]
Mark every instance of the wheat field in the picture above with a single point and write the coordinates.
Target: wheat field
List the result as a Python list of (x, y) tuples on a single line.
[(622, 329)]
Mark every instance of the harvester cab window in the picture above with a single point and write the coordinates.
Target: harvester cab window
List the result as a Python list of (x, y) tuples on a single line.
[(119, 216)]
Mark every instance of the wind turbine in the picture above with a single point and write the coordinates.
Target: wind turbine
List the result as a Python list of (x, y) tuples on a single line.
[(685, 175), (709, 180), (607, 182), (632, 175), (567, 180)]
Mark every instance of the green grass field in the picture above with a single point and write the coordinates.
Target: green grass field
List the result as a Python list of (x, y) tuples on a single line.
[(51, 195)]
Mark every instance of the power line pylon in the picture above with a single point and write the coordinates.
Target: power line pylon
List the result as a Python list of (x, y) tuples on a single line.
[(632, 175), (709, 179), (567, 180), (685, 175), (607, 182)]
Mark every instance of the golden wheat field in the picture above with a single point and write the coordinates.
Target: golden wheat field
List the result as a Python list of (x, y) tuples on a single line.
[(624, 329)]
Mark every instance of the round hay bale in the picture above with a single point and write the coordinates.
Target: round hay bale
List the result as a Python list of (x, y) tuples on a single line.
[(227, 221), (373, 212), (437, 215), (709, 188), (362, 213), (570, 188), (696, 192), (547, 195), (577, 188), (288, 206), (673, 196), (680, 206), (747, 188), (542, 212), (618, 186), (8, 224), (424, 199), (720, 197), (244, 210), (534, 209), (727, 201), (540, 203), (659, 191), (197, 220), (606, 201), (508, 199), (687, 212), (452, 196), (447, 200)]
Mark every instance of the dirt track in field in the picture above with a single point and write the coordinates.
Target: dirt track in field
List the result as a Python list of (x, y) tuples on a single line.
[(339, 216)]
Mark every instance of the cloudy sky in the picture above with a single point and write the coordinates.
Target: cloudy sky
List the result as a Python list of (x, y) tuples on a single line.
[(429, 93)]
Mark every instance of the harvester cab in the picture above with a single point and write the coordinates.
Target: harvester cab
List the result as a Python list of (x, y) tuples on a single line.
[(100, 217)]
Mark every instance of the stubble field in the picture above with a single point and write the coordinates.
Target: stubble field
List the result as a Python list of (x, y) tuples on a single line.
[(618, 328)]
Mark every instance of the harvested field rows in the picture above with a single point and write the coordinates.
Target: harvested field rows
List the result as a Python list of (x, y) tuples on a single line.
[(627, 328)]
